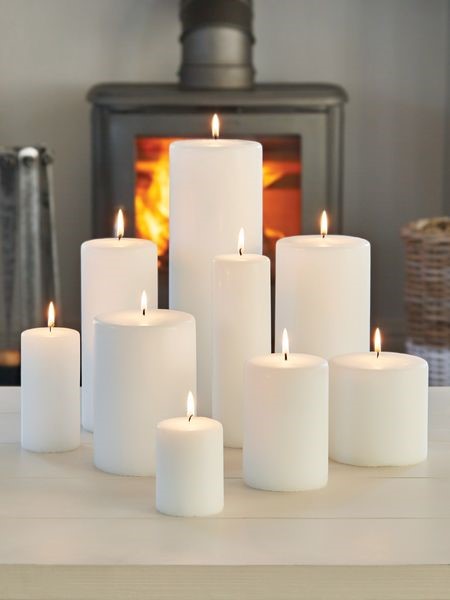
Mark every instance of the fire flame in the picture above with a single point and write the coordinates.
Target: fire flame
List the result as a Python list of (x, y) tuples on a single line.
[(285, 343), (324, 224), (51, 316), (151, 202), (215, 126), (144, 302), (241, 241), (190, 406), (377, 341), (120, 226)]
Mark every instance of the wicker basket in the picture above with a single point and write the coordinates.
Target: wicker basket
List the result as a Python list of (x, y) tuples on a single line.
[(427, 294)]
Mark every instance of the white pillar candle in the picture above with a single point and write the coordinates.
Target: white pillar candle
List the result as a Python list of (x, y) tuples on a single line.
[(144, 365), (378, 409), (323, 293), (241, 329), (215, 188), (286, 422), (50, 391), (189, 465), (114, 271)]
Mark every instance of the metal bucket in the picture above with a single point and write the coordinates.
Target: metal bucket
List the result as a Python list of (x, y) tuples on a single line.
[(28, 257)]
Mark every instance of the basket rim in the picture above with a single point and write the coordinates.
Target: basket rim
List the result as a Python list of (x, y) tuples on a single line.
[(417, 229)]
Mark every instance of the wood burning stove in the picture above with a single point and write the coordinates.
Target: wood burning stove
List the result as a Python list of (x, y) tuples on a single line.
[(299, 125)]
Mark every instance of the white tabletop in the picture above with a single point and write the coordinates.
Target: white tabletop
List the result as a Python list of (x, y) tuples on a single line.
[(68, 530)]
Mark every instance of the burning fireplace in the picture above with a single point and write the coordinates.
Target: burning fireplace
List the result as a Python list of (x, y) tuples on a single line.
[(281, 185), (299, 125)]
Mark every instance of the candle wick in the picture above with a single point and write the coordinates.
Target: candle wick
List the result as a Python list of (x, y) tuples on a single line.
[(323, 235), (215, 136), (50, 328), (285, 356), (119, 237), (190, 417), (240, 251), (143, 311), (378, 353)]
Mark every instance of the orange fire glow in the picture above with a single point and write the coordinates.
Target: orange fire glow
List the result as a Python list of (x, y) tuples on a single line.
[(151, 202)]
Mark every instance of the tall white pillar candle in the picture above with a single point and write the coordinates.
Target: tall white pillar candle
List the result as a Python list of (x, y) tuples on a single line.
[(144, 365), (50, 391), (189, 466), (286, 422), (323, 293), (215, 188), (378, 409), (113, 274), (241, 329)]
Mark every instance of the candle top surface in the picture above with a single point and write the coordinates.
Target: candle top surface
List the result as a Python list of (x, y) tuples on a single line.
[(241, 258), (113, 243), (386, 361), (154, 317), (57, 332), (294, 361), (195, 424), (218, 143), (318, 242)]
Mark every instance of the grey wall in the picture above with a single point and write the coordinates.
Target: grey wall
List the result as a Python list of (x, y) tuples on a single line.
[(390, 55)]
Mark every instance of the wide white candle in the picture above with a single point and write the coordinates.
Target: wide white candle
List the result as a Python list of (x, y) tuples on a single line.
[(189, 465), (113, 274), (286, 422), (378, 409), (50, 392), (144, 365), (323, 293), (241, 330), (215, 188)]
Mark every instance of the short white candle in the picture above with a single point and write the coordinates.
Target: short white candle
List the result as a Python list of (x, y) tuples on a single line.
[(145, 360), (215, 188), (50, 391), (323, 293), (114, 271), (189, 465), (378, 409), (241, 330), (286, 422)]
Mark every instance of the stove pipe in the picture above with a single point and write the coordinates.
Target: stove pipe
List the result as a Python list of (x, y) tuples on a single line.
[(217, 42)]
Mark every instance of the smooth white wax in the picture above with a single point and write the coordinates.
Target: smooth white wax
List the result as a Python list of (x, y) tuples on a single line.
[(378, 409), (286, 422), (241, 329), (189, 467), (50, 390), (215, 189), (323, 293), (144, 365), (113, 274)]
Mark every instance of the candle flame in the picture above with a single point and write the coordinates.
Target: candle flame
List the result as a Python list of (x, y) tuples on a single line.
[(324, 224), (120, 226), (144, 302), (377, 341), (241, 241), (285, 343), (190, 406), (215, 126), (51, 316)]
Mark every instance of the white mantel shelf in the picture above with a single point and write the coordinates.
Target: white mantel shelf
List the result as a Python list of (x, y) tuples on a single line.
[(70, 531)]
